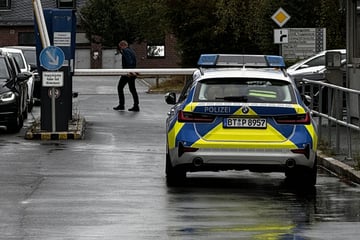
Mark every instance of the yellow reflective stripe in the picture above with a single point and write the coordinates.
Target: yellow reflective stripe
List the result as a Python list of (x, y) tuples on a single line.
[(250, 113), (173, 133), (177, 126), (244, 145), (190, 107), (246, 134), (299, 109), (310, 128)]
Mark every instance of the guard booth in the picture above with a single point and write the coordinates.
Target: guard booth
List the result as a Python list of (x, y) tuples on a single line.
[(353, 53), (61, 27), (335, 75)]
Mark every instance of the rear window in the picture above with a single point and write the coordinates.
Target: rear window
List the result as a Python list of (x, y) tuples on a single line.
[(4, 73), (19, 59), (244, 90), (30, 56)]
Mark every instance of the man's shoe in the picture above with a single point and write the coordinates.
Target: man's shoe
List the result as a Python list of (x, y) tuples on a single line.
[(134, 109), (119, 108)]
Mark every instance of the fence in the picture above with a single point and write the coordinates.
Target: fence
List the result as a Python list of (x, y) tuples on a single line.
[(339, 127)]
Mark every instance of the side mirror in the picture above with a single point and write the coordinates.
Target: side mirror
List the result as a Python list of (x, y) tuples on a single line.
[(170, 98), (21, 77), (33, 67)]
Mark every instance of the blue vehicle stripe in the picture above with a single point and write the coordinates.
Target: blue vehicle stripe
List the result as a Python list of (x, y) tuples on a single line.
[(284, 129), (184, 134), (301, 137)]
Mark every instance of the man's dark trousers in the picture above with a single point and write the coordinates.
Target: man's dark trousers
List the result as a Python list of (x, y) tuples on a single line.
[(122, 82)]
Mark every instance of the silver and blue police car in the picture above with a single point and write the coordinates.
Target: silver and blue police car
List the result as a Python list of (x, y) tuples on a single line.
[(240, 112)]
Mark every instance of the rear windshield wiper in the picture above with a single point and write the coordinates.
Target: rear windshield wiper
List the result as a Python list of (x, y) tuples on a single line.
[(236, 98)]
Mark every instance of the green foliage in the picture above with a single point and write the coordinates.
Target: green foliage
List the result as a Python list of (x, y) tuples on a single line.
[(209, 26), (109, 21)]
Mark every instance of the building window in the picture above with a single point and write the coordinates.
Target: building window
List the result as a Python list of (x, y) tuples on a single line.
[(66, 4), (26, 38), (5, 4), (155, 51)]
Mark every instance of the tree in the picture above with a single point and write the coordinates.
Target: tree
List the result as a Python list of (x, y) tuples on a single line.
[(109, 21), (208, 26), (104, 23), (333, 17)]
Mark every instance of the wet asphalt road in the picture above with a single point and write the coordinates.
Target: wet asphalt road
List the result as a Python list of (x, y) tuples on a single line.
[(111, 185)]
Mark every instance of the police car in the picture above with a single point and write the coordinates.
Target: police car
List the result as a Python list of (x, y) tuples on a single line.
[(240, 112)]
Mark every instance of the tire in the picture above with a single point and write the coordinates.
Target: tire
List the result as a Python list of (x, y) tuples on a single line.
[(15, 125), (174, 175), (302, 176)]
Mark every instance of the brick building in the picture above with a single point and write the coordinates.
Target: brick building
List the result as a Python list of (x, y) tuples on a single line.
[(17, 28)]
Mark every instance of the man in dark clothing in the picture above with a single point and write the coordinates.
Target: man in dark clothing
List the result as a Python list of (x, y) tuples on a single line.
[(128, 61)]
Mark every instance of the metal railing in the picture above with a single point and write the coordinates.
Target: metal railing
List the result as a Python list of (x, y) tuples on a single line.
[(338, 117)]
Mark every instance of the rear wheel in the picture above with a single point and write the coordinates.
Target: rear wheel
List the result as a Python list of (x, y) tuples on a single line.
[(174, 175), (303, 176)]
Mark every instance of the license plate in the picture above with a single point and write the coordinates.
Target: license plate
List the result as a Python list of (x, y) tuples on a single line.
[(245, 122)]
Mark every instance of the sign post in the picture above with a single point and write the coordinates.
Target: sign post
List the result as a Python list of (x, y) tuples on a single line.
[(52, 58), (56, 62), (281, 36)]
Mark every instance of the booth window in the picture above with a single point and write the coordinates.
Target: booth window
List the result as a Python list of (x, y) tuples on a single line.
[(66, 4), (5, 4), (155, 51), (357, 32), (26, 38)]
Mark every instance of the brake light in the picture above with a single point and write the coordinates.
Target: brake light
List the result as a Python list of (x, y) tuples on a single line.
[(294, 119), (194, 117)]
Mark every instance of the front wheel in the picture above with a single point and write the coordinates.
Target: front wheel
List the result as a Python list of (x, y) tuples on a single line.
[(15, 125)]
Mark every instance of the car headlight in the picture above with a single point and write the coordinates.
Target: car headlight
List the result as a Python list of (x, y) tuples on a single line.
[(7, 97)]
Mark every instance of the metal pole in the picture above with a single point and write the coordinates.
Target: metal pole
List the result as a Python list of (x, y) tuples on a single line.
[(45, 42), (39, 15), (53, 115)]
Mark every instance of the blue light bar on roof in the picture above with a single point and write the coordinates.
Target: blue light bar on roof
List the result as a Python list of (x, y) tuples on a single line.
[(208, 59), (236, 60), (275, 61)]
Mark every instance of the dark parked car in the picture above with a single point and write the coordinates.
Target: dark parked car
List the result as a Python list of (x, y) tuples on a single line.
[(30, 56), (13, 94)]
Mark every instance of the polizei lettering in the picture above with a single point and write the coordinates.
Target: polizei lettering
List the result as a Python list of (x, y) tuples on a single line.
[(217, 109)]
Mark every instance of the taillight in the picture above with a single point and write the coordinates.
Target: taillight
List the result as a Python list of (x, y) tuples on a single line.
[(194, 117), (294, 119)]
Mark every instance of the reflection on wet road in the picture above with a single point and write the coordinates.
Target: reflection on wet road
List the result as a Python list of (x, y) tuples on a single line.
[(111, 186)]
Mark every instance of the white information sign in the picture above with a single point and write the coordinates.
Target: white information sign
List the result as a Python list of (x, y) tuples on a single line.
[(62, 39), (52, 79), (281, 36), (303, 43)]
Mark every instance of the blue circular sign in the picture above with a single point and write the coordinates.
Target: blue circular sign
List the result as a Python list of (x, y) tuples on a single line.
[(52, 58)]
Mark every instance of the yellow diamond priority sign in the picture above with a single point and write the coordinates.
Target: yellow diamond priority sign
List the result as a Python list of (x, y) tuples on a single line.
[(280, 17)]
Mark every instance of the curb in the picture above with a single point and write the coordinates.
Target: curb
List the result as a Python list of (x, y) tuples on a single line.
[(339, 168), (76, 131)]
